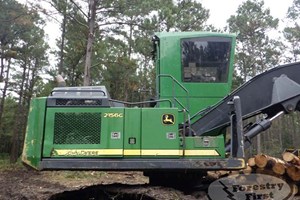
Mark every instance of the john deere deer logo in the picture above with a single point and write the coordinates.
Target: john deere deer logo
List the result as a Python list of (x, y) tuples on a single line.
[(168, 119)]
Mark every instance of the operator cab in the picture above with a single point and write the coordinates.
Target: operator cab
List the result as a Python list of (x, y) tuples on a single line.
[(194, 69)]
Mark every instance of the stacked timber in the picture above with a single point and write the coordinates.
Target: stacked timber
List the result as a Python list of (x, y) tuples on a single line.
[(272, 164), (287, 167), (293, 170)]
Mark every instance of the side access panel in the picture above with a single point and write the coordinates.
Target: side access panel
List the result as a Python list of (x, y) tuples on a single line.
[(83, 132), (132, 132), (160, 133)]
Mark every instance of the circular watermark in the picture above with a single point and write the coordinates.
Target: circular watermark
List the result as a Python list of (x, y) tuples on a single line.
[(250, 187)]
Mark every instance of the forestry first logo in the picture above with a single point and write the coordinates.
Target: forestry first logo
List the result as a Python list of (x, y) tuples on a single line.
[(250, 187)]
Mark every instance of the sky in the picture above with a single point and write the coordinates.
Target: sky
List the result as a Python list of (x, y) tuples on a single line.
[(219, 15)]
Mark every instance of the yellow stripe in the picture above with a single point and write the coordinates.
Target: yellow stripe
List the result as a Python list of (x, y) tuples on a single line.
[(210, 152), (159, 152), (132, 152), (87, 152)]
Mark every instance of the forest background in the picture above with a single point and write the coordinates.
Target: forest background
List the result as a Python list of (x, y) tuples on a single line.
[(108, 42)]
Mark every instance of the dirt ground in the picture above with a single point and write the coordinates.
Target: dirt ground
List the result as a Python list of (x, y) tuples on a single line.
[(24, 184)]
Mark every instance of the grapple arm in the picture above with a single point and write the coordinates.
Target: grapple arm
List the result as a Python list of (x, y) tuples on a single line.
[(272, 92)]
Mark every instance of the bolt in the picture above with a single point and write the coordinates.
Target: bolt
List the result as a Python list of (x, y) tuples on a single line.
[(290, 107)]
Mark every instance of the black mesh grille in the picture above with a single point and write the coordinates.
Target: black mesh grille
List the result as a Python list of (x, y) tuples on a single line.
[(77, 128), (78, 102)]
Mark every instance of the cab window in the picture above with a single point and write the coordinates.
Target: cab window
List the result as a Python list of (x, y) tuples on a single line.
[(205, 59)]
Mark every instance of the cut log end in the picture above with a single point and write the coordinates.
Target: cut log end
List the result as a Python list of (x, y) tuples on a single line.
[(279, 168), (293, 172), (247, 170), (291, 158), (251, 162), (261, 160)]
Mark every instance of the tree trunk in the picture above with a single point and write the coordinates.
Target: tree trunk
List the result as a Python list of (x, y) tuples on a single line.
[(88, 57), (278, 127), (14, 154), (2, 64), (2, 101), (62, 44), (258, 140)]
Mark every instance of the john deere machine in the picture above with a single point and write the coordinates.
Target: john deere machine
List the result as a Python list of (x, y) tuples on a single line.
[(181, 132)]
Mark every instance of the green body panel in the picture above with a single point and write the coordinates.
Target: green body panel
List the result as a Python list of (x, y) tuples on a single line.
[(132, 130), (32, 150), (206, 102), (168, 62), (206, 143), (110, 124), (158, 136), (154, 136)]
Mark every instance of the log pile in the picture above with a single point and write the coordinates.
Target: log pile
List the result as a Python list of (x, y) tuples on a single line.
[(287, 168)]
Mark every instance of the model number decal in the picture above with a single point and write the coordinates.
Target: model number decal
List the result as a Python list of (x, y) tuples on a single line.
[(113, 115)]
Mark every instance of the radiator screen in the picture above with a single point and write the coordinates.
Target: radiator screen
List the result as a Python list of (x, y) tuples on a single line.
[(77, 128)]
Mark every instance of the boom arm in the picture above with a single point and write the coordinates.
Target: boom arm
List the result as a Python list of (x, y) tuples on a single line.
[(269, 93)]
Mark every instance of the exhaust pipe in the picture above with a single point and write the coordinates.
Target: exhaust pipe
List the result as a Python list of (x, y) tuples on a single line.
[(60, 81)]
